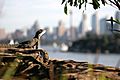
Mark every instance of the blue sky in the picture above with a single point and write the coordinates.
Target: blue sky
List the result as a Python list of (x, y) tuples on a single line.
[(21, 14)]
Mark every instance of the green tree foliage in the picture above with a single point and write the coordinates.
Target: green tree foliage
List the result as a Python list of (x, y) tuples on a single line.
[(116, 21), (95, 3), (103, 43)]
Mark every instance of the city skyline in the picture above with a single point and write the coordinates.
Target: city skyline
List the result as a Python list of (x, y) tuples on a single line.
[(17, 14), (61, 34)]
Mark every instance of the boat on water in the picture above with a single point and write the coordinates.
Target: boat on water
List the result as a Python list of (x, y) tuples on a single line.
[(55, 47), (63, 47), (11, 42)]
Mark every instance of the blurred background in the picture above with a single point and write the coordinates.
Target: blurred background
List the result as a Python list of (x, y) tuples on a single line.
[(82, 35)]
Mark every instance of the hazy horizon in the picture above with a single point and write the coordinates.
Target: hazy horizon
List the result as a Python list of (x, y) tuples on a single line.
[(21, 14)]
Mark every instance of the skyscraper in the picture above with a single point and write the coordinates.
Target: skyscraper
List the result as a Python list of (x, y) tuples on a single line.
[(104, 26), (3, 34), (31, 32), (117, 16), (95, 24), (83, 27), (72, 30), (61, 29)]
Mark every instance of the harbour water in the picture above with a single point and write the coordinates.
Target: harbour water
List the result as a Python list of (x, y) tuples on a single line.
[(105, 59)]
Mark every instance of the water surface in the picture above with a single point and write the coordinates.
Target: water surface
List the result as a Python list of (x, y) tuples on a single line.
[(106, 59)]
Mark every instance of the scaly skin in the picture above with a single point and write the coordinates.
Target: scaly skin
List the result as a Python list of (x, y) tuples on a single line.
[(8, 45), (27, 51)]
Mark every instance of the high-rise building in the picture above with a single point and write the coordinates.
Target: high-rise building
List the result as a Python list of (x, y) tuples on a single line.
[(83, 27), (95, 24), (117, 16), (17, 34), (61, 29), (73, 34), (104, 26), (2, 33), (72, 30), (48, 36), (31, 32)]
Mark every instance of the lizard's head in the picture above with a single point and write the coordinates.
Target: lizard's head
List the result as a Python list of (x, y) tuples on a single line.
[(40, 32)]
